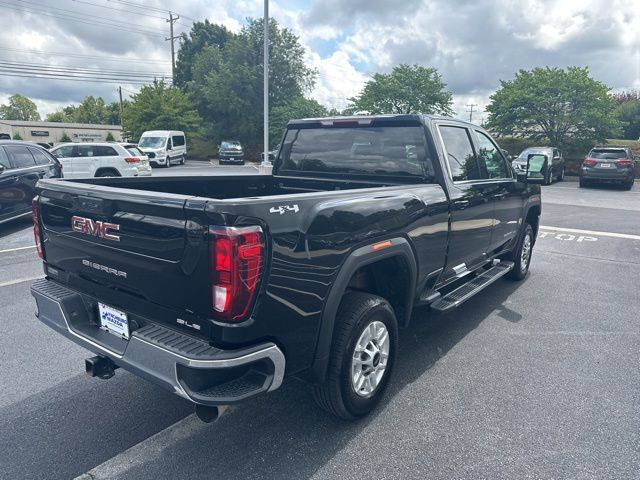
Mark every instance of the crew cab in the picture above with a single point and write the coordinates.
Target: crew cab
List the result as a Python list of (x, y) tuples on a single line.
[(219, 288)]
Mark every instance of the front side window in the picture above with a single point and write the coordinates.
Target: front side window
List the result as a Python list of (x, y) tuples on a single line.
[(20, 156), (489, 155), (63, 152), (460, 156), (371, 150)]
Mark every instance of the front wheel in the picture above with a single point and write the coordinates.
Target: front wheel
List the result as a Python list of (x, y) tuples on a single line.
[(521, 255), (362, 356), (182, 159), (167, 162), (628, 185)]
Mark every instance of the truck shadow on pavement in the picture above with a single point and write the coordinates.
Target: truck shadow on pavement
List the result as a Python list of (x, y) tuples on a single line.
[(69, 429), (13, 226), (284, 434)]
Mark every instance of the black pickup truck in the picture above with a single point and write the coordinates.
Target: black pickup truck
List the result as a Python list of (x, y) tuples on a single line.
[(220, 287)]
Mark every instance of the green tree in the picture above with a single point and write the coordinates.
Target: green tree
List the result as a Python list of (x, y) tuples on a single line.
[(91, 110), (227, 84), (559, 107), (629, 114), (407, 89), (298, 107), (19, 108), (202, 34), (110, 137), (159, 107), (58, 116), (113, 113), (16, 136), (65, 138)]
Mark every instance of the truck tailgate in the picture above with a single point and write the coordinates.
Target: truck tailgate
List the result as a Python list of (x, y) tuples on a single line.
[(133, 251)]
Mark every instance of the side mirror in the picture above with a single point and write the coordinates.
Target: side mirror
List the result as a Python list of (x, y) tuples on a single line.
[(2, 168), (535, 168)]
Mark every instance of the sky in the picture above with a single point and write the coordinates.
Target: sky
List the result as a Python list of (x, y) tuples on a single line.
[(474, 44)]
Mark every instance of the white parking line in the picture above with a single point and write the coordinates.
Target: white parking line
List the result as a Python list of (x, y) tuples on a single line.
[(146, 451), (591, 232), (19, 280), (17, 248)]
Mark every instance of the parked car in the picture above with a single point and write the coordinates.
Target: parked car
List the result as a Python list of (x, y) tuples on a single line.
[(553, 169), (22, 164), (230, 153), (219, 287), (608, 165), (164, 147), (104, 159)]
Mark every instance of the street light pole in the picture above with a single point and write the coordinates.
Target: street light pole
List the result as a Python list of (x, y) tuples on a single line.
[(265, 158)]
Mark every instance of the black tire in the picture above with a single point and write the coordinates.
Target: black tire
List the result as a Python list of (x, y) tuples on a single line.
[(336, 394), (182, 160), (521, 264), (561, 176), (583, 183), (107, 173), (628, 185), (548, 178), (168, 163)]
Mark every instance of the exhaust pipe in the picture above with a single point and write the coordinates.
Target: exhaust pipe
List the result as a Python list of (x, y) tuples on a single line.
[(101, 367), (209, 414)]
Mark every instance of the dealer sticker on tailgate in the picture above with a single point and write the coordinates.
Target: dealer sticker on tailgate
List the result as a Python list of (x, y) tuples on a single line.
[(114, 321)]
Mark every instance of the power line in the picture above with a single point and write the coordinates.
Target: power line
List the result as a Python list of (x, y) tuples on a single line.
[(147, 7), (62, 68), (78, 20), (75, 14), (74, 78), (121, 10), (78, 55)]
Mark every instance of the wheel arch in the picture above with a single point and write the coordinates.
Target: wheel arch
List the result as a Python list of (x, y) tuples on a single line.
[(111, 170), (366, 262)]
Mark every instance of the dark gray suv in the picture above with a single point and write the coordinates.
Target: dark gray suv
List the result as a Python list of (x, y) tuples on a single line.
[(610, 165)]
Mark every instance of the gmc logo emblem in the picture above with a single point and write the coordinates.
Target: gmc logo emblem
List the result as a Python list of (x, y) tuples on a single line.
[(94, 228)]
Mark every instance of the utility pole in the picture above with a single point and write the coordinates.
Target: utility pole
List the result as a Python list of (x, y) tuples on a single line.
[(265, 159), (121, 105), (173, 18), (471, 105)]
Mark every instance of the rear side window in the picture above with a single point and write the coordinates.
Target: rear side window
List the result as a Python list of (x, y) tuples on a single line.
[(4, 160), (41, 157), (83, 151), (607, 153), (20, 157), (460, 156), (104, 151), (178, 141), (378, 150), (490, 157)]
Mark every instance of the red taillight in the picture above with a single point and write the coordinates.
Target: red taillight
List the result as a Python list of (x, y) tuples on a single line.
[(589, 161), (36, 225), (132, 160), (624, 162), (237, 255)]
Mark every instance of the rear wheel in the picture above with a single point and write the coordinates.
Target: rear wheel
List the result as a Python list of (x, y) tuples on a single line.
[(107, 173), (521, 255), (362, 356), (561, 176)]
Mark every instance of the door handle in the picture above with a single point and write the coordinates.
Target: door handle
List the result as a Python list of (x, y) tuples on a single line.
[(461, 203), (499, 196)]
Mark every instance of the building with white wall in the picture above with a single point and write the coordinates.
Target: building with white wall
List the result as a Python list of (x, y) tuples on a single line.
[(52, 132)]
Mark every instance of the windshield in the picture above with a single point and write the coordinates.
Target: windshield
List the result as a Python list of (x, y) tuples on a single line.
[(230, 145), (384, 150), (607, 153), (152, 142)]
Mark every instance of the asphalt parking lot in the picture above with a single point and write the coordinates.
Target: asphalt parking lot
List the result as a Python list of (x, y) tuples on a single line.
[(538, 379)]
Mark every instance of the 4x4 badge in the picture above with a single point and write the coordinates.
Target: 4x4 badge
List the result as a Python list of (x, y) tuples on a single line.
[(282, 209)]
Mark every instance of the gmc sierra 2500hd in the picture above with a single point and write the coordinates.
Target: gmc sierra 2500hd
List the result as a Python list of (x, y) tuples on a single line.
[(220, 287)]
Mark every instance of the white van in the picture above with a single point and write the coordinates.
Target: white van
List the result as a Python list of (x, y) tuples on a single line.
[(164, 147)]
